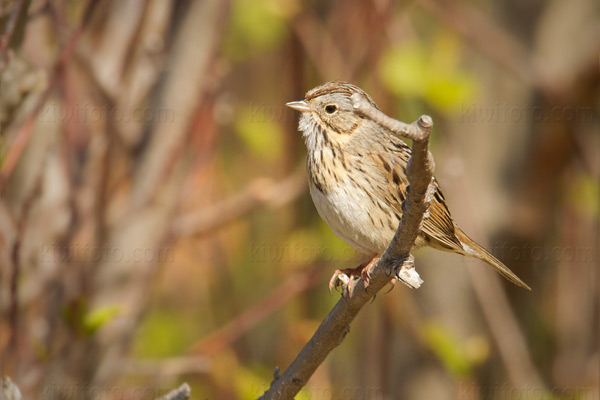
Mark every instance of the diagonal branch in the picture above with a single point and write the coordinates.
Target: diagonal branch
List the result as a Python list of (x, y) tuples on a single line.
[(236, 327), (260, 192), (396, 260)]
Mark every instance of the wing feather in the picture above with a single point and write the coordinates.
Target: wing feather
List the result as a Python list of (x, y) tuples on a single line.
[(438, 228)]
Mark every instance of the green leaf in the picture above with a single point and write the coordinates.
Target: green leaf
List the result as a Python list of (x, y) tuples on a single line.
[(164, 334), (3, 149), (249, 385), (584, 195), (447, 348), (256, 25), (95, 319), (403, 69), (448, 93)]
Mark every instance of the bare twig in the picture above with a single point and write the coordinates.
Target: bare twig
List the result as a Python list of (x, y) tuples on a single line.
[(183, 392), (418, 131), (8, 390), (396, 259), (258, 193), (222, 337)]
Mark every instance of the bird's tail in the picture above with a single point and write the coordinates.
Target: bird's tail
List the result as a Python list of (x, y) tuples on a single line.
[(474, 250)]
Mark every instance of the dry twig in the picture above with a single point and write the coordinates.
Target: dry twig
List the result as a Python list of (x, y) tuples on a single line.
[(183, 392), (236, 327), (396, 259), (258, 193)]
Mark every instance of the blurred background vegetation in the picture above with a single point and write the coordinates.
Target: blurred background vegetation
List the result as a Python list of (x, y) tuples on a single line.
[(155, 225)]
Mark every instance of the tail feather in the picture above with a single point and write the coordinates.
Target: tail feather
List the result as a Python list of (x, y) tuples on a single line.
[(474, 250)]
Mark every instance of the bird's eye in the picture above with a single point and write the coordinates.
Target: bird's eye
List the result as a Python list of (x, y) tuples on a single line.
[(330, 108)]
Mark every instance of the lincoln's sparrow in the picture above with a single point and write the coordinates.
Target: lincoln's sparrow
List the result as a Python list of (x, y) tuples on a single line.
[(357, 179)]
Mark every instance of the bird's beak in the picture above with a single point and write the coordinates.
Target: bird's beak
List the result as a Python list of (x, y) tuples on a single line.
[(300, 105)]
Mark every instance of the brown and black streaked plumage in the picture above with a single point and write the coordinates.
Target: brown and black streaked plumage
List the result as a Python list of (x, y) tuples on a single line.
[(357, 179)]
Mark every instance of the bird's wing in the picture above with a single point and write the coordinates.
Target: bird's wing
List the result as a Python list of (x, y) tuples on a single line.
[(438, 227), (439, 230)]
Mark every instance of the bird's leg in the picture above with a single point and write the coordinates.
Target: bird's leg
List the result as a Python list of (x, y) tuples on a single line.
[(343, 276), (367, 269)]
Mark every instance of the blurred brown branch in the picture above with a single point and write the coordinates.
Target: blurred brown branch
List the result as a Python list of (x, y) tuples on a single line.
[(324, 54), (260, 192), (24, 132), (222, 337), (9, 29), (396, 260), (168, 367), (499, 316), (505, 329), (481, 32), (68, 183)]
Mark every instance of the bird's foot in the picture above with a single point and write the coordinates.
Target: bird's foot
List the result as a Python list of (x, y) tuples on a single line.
[(343, 277)]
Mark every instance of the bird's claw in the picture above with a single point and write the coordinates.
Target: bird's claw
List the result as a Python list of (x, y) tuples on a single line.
[(392, 284), (343, 277), (339, 278)]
